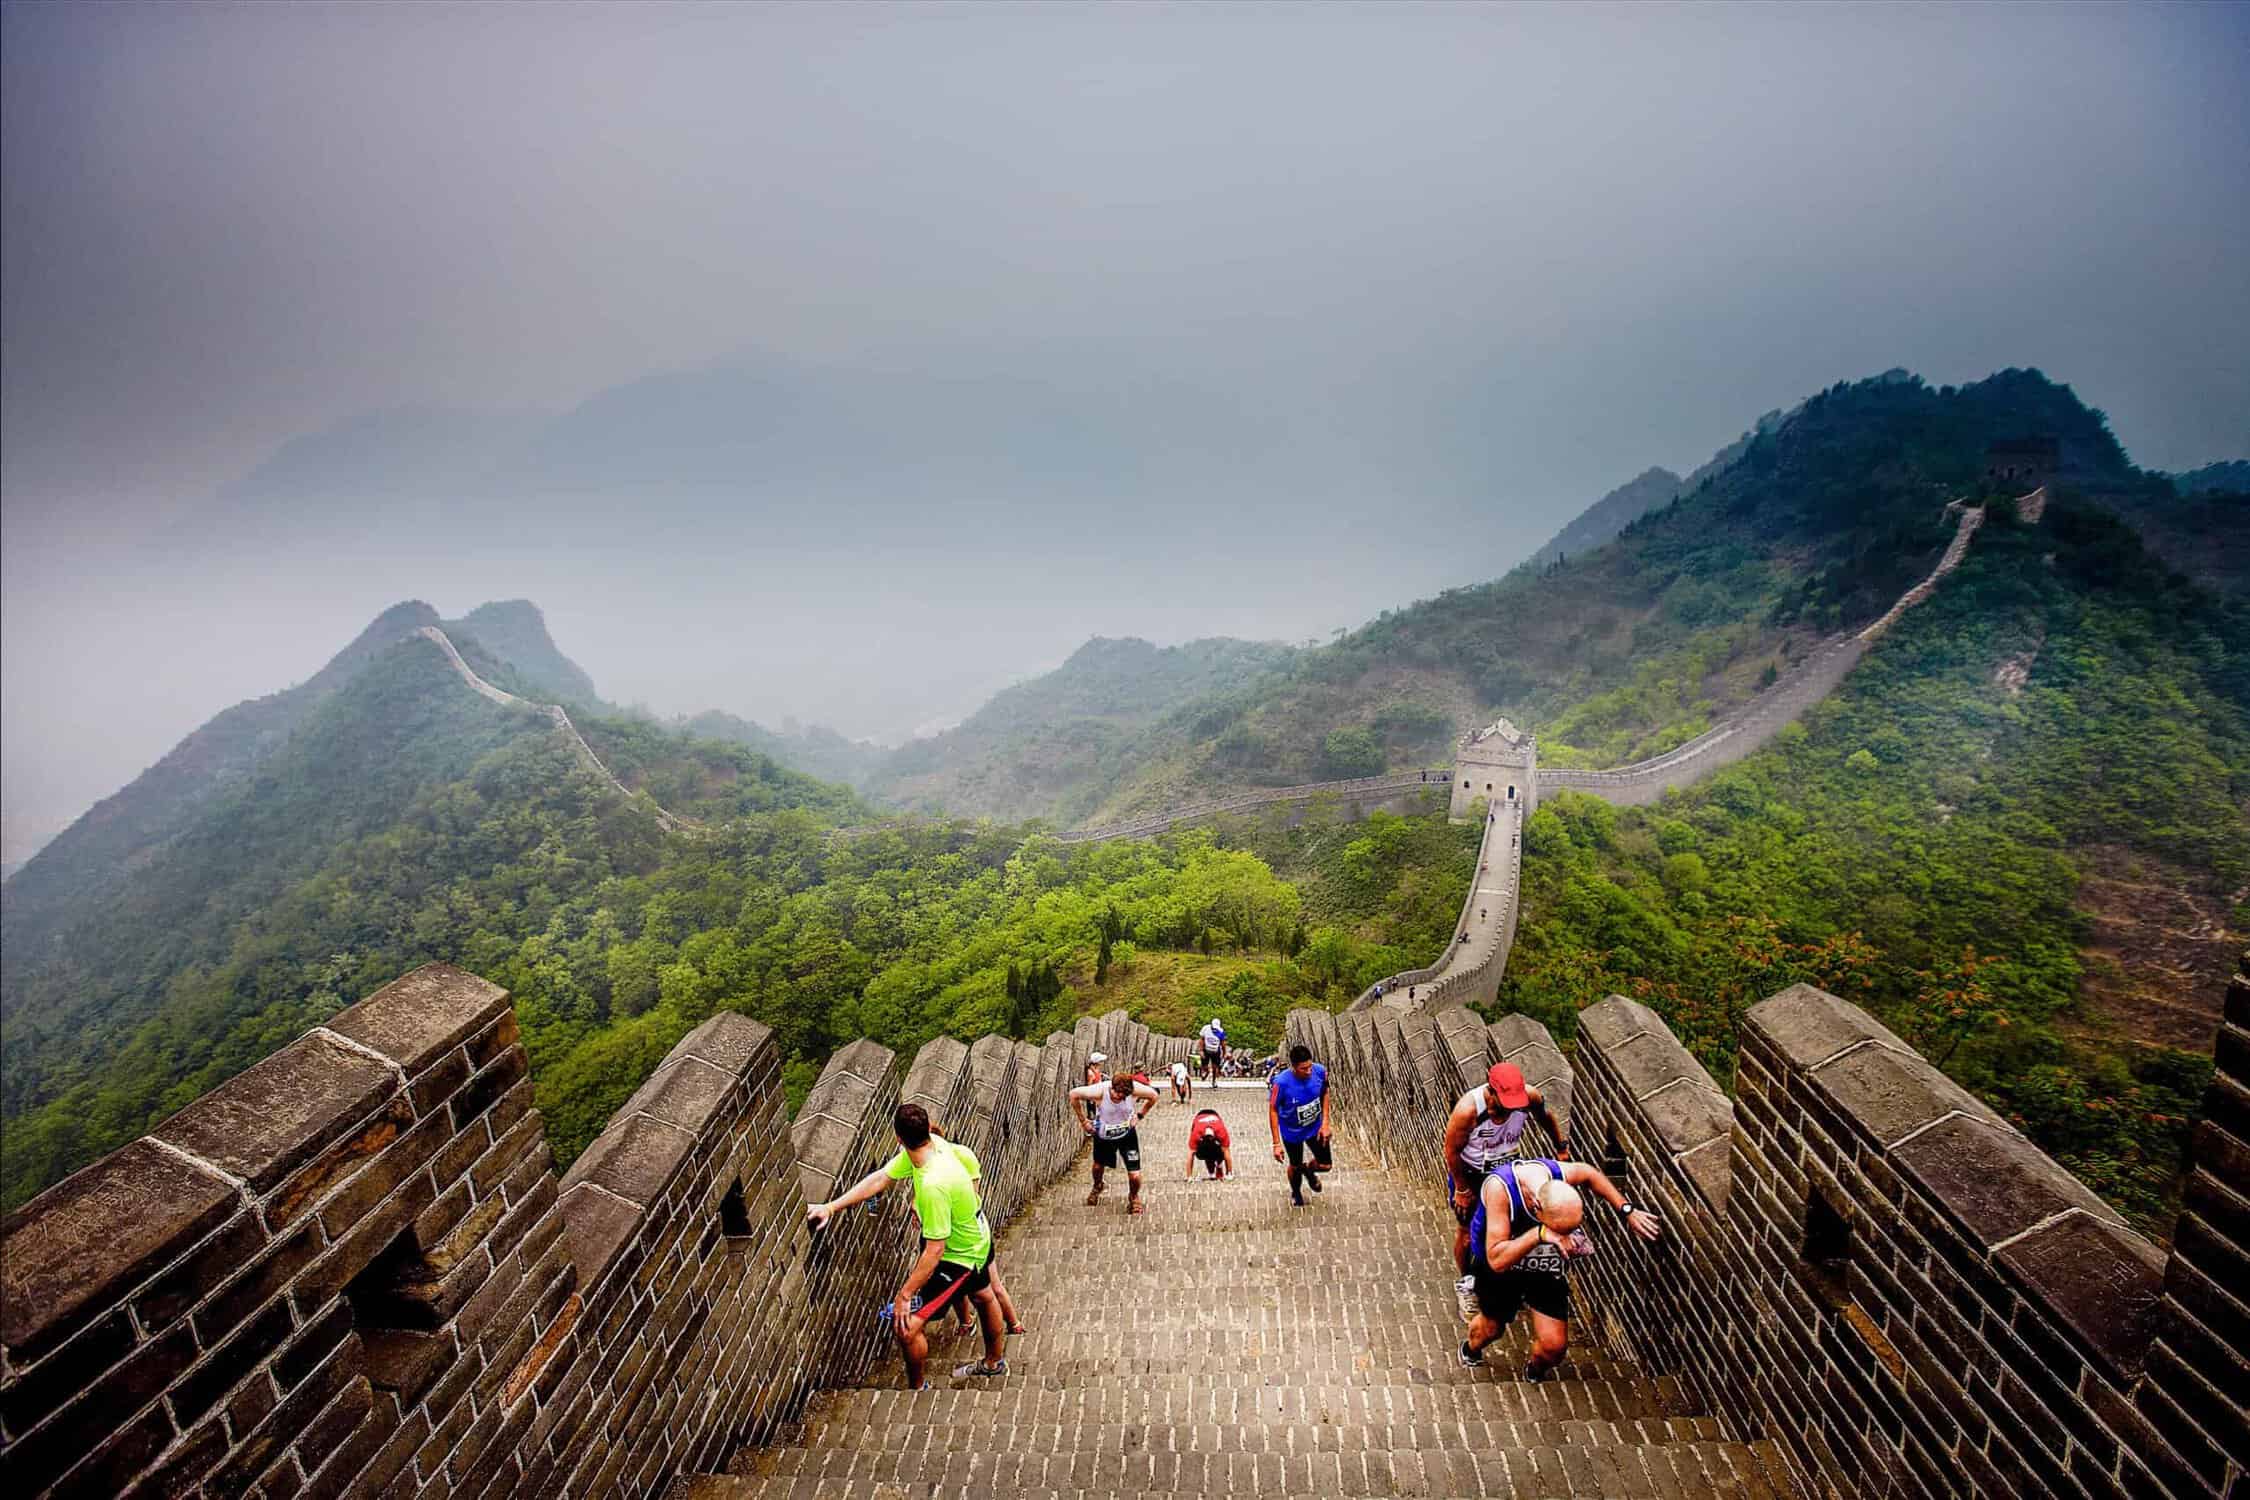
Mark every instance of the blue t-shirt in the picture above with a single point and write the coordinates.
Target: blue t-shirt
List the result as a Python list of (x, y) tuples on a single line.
[(1297, 1102)]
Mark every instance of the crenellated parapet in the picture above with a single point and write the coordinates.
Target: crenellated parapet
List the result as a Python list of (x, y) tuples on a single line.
[(1863, 1261), (1859, 1259), (352, 1269)]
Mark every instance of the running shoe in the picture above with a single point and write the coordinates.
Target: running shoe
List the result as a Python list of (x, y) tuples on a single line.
[(1536, 1372), (1465, 1297), (1312, 1180), (975, 1368), (1472, 1359)]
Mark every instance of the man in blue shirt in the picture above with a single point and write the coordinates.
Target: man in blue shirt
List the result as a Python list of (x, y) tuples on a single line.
[(1297, 1106)]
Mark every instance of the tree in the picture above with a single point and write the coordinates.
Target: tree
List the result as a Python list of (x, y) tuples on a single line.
[(1353, 751)]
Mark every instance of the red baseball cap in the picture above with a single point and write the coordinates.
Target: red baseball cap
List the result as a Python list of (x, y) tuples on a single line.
[(1506, 1083)]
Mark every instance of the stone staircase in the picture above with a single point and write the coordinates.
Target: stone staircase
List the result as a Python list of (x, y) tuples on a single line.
[(1226, 1342)]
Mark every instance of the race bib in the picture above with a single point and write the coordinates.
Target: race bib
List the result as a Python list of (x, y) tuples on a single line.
[(1309, 1114), (1116, 1132)]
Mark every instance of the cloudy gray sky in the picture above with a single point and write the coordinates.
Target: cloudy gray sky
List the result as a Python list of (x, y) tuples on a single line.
[(850, 361)]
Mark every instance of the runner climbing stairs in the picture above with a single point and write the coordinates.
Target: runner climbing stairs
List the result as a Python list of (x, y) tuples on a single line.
[(1225, 1342)]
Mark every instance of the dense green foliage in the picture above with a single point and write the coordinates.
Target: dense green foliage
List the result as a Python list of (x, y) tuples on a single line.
[(403, 816), (412, 820), (1911, 845)]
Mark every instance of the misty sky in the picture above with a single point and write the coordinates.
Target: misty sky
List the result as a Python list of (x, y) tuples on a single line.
[(848, 362)]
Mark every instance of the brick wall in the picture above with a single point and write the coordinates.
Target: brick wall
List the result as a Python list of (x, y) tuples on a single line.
[(352, 1269), (2197, 1387), (1865, 1262)]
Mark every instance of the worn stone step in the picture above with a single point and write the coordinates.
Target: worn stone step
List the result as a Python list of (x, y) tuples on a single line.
[(1588, 1467), (1226, 1343), (1183, 1420)]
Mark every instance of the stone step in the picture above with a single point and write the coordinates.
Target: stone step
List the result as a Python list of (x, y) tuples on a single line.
[(1225, 1342), (1570, 1466), (856, 1416)]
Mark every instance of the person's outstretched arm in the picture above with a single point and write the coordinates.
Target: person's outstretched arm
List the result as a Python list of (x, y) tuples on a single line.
[(859, 1192), (1273, 1116), (1586, 1175)]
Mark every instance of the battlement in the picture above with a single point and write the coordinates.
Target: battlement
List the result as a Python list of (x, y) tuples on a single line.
[(353, 1268), (1863, 1261)]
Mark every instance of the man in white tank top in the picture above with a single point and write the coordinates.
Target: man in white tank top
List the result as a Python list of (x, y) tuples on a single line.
[(1111, 1112)]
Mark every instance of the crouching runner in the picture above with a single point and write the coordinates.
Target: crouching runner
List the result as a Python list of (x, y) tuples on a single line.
[(1529, 1224), (1209, 1143)]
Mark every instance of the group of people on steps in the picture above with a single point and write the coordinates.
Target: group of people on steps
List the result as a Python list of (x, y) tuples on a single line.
[(1520, 1220)]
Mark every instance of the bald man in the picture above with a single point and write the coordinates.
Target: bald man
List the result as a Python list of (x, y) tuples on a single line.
[(1528, 1226)]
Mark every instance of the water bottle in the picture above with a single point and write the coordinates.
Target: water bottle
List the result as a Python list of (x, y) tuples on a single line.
[(890, 1309)]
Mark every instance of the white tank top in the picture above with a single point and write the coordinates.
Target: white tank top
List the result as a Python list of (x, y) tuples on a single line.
[(1491, 1141), (1114, 1116)]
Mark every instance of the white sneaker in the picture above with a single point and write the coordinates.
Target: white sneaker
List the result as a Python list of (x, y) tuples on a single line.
[(1465, 1294)]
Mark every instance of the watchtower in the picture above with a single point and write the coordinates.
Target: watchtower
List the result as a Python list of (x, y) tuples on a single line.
[(1498, 763), (2022, 463)]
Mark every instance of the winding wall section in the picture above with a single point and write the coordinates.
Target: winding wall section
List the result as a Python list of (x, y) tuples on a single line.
[(670, 822), (1470, 972)]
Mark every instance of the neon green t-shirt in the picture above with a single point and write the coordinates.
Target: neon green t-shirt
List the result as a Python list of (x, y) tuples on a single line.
[(945, 1200), (902, 1166)]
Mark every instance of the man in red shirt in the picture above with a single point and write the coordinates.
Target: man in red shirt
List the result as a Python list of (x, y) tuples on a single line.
[(1208, 1142)]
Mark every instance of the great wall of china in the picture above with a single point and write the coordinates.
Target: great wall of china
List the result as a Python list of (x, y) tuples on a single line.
[(353, 1270)]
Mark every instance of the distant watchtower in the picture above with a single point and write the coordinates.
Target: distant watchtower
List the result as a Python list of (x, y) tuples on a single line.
[(1498, 763), (2021, 463)]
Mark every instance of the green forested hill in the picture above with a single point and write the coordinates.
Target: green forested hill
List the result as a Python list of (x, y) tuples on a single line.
[(409, 819), (1822, 518), (1051, 747), (1929, 843), (515, 632)]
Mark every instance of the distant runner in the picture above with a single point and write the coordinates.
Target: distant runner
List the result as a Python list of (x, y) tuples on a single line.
[(1112, 1112), (1183, 1087), (956, 1251), (1485, 1129), (1209, 1143), (1214, 1038), (1097, 1067), (1527, 1227), (1297, 1107)]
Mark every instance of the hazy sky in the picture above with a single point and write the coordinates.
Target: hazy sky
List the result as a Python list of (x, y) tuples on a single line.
[(849, 361)]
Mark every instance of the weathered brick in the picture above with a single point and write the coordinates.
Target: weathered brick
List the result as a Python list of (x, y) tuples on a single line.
[(264, 1123), (77, 1249), (421, 1015)]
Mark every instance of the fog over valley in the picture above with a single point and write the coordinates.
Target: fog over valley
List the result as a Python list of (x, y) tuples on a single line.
[(847, 364)]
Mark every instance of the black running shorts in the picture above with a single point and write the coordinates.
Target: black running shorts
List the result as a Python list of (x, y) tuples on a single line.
[(1322, 1157), (1501, 1294), (1127, 1147), (950, 1282)]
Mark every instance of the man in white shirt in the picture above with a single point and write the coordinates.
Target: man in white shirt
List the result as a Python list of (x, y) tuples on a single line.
[(1214, 1039), (1111, 1112)]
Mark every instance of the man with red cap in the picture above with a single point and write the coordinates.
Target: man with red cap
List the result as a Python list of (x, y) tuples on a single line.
[(1485, 1130)]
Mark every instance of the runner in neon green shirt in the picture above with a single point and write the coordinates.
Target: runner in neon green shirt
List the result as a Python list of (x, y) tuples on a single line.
[(956, 1244)]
